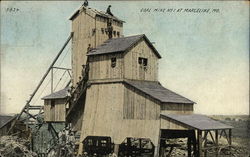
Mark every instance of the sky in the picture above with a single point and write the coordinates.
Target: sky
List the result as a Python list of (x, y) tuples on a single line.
[(205, 55)]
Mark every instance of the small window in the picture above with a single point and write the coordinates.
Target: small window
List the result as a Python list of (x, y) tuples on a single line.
[(143, 61), (113, 62), (93, 31), (52, 103)]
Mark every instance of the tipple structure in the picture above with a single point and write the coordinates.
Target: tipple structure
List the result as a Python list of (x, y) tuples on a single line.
[(116, 103), (123, 98)]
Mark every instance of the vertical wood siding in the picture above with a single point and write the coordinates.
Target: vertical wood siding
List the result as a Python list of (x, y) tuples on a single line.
[(138, 105), (133, 70), (56, 113), (87, 28), (174, 108), (105, 114), (100, 67)]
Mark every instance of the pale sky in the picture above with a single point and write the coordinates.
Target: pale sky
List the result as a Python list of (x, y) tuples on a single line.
[(205, 56)]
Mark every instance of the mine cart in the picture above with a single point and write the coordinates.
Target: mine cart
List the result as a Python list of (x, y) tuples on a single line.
[(99, 145), (136, 147)]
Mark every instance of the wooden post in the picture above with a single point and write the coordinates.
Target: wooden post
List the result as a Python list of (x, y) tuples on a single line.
[(205, 142), (199, 138), (116, 149), (189, 145), (52, 80), (216, 143), (194, 143), (230, 140), (158, 148)]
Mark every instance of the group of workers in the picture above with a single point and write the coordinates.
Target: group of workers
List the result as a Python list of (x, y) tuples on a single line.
[(108, 11)]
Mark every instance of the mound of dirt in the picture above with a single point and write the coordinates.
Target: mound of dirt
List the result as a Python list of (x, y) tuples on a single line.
[(13, 146)]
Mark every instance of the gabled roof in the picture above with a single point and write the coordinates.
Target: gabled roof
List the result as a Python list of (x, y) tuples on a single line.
[(158, 92), (197, 121), (118, 45), (58, 95), (96, 12)]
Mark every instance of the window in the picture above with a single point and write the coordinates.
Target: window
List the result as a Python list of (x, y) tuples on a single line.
[(93, 31), (143, 61), (113, 62), (52, 104)]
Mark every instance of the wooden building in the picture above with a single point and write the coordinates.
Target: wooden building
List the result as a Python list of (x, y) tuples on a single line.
[(5, 124), (55, 106), (125, 94), (7, 121), (123, 98), (91, 28)]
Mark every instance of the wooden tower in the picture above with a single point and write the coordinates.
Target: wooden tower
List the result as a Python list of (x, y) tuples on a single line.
[(91, 28)]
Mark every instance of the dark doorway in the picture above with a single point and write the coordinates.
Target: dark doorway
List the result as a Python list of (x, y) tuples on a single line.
[(166, 147), (134, 147)]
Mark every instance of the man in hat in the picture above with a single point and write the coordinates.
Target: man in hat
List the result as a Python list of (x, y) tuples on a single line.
[(109, 11), (86, 3)]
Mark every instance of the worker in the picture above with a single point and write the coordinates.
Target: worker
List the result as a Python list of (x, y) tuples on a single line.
[(85, 154), (63, 137), (112, 154), (109, 11), (86, 3), (89, 48)]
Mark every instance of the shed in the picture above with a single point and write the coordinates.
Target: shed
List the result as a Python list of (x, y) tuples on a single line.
[(5, 124), (55, 106), (205, 127)]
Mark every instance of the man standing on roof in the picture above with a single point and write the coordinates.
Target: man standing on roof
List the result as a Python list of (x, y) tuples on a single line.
[(86, 3), (109, 11)]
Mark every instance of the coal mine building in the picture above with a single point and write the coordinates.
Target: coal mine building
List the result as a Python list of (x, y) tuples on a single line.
[(117, 101)]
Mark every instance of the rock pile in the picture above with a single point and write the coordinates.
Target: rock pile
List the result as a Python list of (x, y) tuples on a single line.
[(12, 146), (180, 149)]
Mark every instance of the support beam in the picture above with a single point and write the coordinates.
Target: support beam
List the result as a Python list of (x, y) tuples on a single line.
[(52, 80), (199, 138), (41, 81), (205, 142), (157, 151), (189, 146), (230, 140), (211, 136), (217, 143), (61, 68), (194, 143)]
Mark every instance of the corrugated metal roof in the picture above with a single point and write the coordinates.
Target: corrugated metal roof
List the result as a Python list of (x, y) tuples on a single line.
[(5, 119), (96, 12), (157, 91), (197, 121), (116, 45), (58, 95)]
